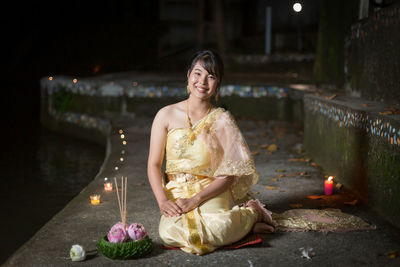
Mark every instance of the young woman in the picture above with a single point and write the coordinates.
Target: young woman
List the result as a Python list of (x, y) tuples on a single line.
[(208, 165)]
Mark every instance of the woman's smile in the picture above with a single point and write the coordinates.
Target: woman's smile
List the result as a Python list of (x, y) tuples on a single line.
[(201, 89)]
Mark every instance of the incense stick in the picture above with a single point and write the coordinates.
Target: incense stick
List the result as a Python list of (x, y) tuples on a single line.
[(126, 187), (123, 201), (119, 204)]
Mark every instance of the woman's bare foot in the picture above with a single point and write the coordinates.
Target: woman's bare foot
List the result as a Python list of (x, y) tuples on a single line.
[(264, 221), (262, 228)]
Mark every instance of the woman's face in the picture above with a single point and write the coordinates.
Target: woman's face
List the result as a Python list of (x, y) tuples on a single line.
[(201, 83)]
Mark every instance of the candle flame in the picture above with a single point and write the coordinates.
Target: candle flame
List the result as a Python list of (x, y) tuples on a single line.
[(330, 178)]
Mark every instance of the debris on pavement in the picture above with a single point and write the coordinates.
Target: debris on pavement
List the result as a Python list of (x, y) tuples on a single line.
[(307, 253)]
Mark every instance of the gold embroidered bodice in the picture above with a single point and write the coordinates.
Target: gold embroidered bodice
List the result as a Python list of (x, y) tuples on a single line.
[(184, 155), (218, 150)]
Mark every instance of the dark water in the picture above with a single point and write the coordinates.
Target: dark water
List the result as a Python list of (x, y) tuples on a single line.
[(41, 172)]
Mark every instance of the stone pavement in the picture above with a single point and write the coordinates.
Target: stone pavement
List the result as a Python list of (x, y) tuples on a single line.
[(81, 223)]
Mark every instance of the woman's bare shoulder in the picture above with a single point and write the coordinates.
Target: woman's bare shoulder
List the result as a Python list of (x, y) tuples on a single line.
[(169, 114), (170, 110)]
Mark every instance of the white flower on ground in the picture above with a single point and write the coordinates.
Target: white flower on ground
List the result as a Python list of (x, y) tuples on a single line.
[(77, 253)]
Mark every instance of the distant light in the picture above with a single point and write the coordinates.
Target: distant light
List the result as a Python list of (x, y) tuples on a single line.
[(121, 131), (124, 143), (297, 7), (96, 69), (75, 80), (50, 78), (134, 83), (121, 159), (122, 136)]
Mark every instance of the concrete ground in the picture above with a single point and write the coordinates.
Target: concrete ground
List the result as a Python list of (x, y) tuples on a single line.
[(81, 223)]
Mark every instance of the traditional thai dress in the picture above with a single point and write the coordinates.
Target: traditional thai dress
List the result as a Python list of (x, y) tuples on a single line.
[(217, 151)]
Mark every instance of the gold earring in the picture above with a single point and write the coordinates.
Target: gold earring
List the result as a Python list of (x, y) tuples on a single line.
[(188, 89), (216, 97)]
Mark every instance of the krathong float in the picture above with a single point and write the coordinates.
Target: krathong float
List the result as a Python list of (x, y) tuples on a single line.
[(124, 242)]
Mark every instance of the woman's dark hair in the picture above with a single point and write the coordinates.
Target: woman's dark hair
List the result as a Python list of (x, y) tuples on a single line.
[(210, 61)]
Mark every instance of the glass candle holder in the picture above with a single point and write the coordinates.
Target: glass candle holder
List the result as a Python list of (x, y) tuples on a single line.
[(108, 186), (95, 199)]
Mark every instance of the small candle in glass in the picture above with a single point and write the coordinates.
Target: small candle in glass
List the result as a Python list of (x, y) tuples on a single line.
[(95, 199), (107, 185)]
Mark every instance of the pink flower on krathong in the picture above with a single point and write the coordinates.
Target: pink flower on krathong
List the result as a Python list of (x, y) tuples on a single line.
[(117, 225), (136, 231), (117, 234)]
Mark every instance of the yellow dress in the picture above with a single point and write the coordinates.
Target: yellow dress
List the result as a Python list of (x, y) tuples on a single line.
[(218, 151)]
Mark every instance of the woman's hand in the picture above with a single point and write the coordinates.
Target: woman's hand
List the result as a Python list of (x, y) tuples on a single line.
[(170, 209), (187, 204)]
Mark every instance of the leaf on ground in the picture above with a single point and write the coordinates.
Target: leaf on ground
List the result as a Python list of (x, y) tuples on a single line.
[(281, 175), (393, 254), (303, 174), (282, 190), (330, 97), (314, 164), (280, 170), (263, 146), (255, 152), (368, 105), (386, 112), (289, 175), (354, 202), (273, 180), (392, 110), (255, 192), (271, 187), (140, 184), (316, 197), (296, 205), (297, 160), (272, 147)]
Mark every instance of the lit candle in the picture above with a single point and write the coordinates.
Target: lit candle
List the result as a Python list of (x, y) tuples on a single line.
[(95, 199), (108, 186), (329, 186)]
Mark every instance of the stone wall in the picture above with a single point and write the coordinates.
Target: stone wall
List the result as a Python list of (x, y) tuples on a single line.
[(88, 101), (372, 56), (352, 141)]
